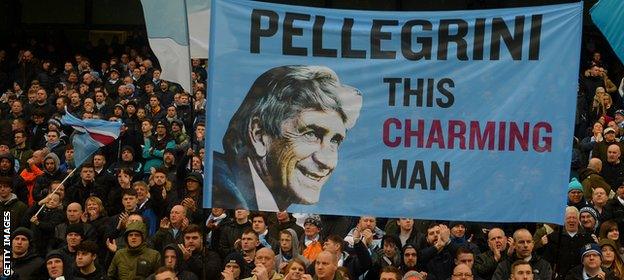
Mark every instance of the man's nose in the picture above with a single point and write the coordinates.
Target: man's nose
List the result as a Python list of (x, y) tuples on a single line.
[(326, 157)]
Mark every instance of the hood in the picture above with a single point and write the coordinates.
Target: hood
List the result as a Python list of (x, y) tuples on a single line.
[(294, 243), (57, 162), (11, 159), (179, 256), (135, 226), (11, 199)]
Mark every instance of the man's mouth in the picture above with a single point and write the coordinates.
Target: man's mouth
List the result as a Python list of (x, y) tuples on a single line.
[(316, 176)]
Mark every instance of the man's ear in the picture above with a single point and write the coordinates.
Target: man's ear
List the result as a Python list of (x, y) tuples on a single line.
[(257, 137)]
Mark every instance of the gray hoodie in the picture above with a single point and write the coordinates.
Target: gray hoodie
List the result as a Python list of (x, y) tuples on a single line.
[(294, 251)]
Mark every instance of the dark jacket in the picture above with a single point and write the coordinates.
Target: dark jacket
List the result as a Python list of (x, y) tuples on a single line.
[(230, 232), (358, 261), (541, 268), (563, 251), (485, 264), (590, 180), (577, 274), (181, 267), (17, 209), (30, 266)]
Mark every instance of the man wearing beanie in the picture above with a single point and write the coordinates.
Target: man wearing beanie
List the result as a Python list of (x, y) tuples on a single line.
[(73, 237), (591, 258), (25, 262), (311, 244), (57, 266), (575, 194), (9, 201), (589, 220), (234, 266)]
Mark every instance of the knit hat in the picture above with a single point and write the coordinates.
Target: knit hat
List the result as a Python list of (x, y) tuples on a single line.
[(55, 122), (194, 176), (609, 129), (456, 223), (619, 112), (575, 185), (75, 228), (22, 231), (607, 241), (313, 219), (234, 257), (54, 254), (591, 211), (590, 248)]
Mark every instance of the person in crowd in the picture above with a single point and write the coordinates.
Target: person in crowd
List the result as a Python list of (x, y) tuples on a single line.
[(232, 231), (87, 266), (233, 267), (575, 194), (25, 261), (9, 203), (311, 243), (611, 258), (288, 249), (523, 250), (521, 270), (137, 260), (591, 265), (486, 262)]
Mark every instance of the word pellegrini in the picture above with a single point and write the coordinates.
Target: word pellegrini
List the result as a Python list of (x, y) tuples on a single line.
[(477, 39)]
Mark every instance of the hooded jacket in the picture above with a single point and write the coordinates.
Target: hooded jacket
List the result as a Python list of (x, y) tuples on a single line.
[(43, 182), (294, 251), (19, 186), (591, 179), (134, 263), (180, 266), (16, 207)]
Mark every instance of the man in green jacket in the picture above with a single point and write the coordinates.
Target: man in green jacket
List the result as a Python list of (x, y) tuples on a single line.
[(137, 261)]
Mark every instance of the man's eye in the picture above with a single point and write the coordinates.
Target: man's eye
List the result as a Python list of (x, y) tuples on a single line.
[(310, 135)]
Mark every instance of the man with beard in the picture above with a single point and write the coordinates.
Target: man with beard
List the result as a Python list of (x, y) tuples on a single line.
[(206, 264)]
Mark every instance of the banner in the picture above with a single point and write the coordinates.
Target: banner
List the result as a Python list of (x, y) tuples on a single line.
[(199, 24), (458, 115), (607, 15)]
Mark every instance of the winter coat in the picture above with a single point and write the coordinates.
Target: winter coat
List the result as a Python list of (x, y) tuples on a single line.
[(541, 268), (294, 251), (30, 266), (16, 207), (590, 179), (134, 263), (577, 274)]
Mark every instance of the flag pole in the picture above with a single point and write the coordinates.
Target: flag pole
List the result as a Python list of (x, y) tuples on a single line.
[(190, 90), (57, 187)]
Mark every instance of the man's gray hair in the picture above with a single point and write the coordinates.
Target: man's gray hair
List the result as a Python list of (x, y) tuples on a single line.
[(285, 91)]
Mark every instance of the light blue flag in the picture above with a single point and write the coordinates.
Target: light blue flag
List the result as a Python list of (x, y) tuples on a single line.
[(90, 135), (199, 27), (608, 15), (167, 32)]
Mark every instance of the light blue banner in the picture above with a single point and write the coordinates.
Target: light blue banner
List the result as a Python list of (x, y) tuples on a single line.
[(607, 15), (460, 115)]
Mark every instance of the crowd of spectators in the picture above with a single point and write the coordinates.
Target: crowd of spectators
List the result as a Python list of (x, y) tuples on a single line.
[(134, 211)]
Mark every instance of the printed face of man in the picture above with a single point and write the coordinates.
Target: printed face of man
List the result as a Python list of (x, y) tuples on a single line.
[(303, 157)]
